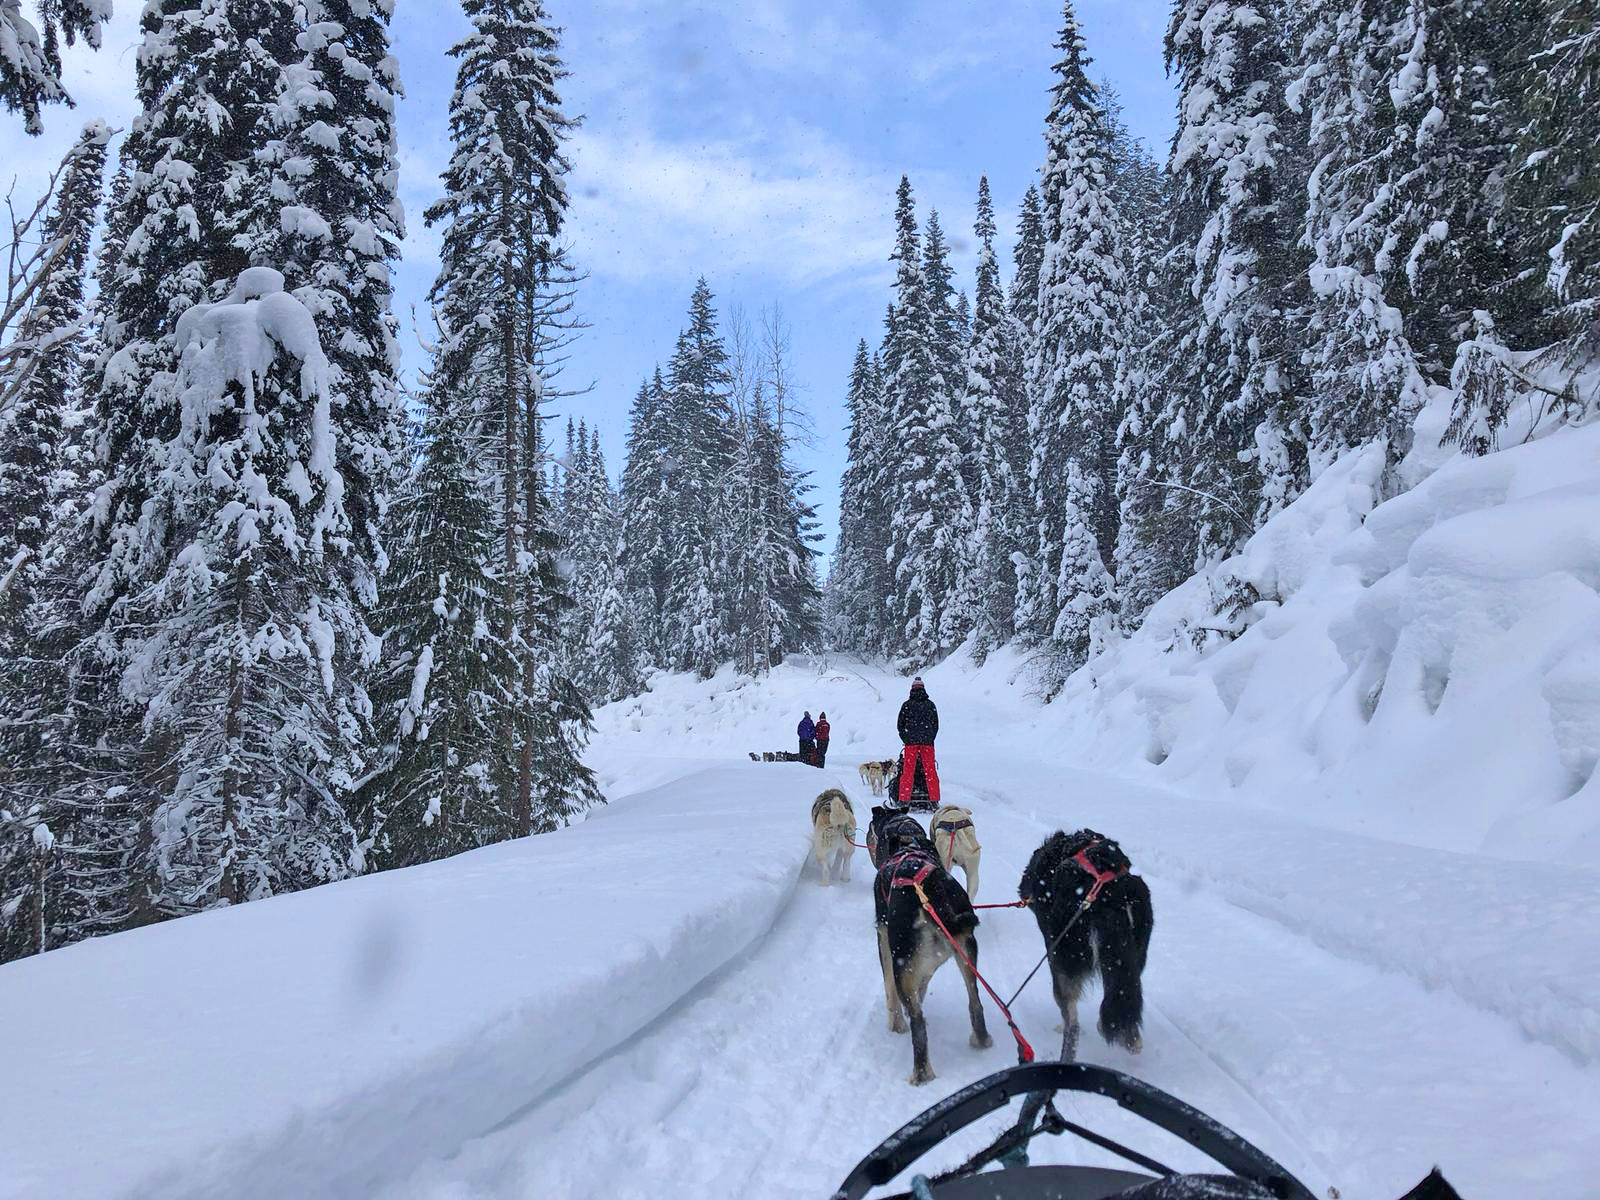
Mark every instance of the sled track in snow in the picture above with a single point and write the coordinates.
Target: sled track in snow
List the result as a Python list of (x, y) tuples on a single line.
[(775, 1076)]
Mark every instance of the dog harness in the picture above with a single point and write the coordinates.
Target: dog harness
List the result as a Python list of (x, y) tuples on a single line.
[(1101, 878), (905, 869), (953, 826)]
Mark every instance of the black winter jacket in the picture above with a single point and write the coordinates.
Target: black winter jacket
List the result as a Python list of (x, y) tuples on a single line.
[(919, 720)]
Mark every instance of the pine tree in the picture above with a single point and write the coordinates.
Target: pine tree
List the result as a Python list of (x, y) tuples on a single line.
[(610, 651), (930, 514), (647, 515), (1551, 297), (1225, 442), (1405, 132), (498, 299), (1078, 389), (451, 671), (859, 583), (41, 834), (992, 407), (42, 370), (701, 457), (1027, 260), (222, 680), (30, 63)]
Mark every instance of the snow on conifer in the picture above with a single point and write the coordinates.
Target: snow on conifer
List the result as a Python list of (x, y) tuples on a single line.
[(30, 60), (991, 405), (1077, 382), (930, 611)]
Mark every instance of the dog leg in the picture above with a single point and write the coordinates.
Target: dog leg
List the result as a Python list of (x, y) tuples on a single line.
[(1066, 991), (970, 867), (911, 989), (891, 995), (980, 1030)]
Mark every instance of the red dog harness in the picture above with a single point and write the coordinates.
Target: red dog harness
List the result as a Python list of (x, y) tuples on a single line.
[(1101, 878), (897, 872)]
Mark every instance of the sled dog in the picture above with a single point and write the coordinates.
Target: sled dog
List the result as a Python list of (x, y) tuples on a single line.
[(1113, 932), (833, 821), (910, 946), (957, 842), (875, 774)]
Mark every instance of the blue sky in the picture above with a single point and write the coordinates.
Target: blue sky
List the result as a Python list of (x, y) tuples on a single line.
[(757, 142)]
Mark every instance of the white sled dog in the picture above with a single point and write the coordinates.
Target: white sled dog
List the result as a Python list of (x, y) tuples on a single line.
[(876, 774), (832, 823), (957, 842)]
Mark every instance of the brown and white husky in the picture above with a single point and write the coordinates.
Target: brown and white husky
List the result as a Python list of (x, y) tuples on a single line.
[(832, 823)]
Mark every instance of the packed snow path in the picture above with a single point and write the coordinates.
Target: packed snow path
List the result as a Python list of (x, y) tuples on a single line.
[(775, 1077)]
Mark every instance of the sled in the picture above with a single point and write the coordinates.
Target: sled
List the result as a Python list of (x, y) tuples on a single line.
[(920, 801), (1250, 1173)]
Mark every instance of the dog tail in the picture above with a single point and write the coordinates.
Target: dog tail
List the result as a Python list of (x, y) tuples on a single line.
[(839, 810), (1123, 919)]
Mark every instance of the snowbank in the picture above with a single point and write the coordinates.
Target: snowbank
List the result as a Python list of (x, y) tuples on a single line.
[(316, 1043), (1425, 669)]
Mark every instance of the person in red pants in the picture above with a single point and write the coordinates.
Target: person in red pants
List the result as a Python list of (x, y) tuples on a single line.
[(918, 725)]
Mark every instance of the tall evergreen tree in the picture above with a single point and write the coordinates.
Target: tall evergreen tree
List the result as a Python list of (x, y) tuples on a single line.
[(992, 407), (1406, 135), (930, 514), (1078, 389), (498, 294), (647, 515), (859, 583), (1226, 445)]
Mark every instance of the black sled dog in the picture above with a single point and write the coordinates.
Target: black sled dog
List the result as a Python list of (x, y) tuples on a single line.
[(1091, 910), (910, 946)]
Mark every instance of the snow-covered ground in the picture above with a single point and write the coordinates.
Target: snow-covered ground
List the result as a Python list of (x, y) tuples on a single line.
[(1368, 818), (663, 1002), (314, 1044), (1424, 668)]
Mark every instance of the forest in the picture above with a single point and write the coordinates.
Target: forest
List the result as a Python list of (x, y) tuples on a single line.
[(272, 617)]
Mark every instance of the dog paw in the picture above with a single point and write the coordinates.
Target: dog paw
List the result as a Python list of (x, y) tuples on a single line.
[(922, 1076), (898, 1025), (980, 1041), (1133, 1043)]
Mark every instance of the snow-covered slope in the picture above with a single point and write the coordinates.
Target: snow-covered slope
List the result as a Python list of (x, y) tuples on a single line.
[(311, 1044), (1426, 668)]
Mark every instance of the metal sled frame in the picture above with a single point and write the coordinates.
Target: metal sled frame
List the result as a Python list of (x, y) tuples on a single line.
[(978, 1100)]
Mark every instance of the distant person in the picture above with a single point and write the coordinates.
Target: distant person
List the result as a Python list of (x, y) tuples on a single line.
[(918, 726), (822, 731), (808, 736)]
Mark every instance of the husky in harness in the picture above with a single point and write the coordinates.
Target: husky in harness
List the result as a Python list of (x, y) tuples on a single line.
[(912, 897)]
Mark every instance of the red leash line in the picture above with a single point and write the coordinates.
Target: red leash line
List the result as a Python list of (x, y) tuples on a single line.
[(1024, 1051), (1011, 904)]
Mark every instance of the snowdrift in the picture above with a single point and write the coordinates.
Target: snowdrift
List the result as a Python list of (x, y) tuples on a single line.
[(1425, 669), (316, 1043)]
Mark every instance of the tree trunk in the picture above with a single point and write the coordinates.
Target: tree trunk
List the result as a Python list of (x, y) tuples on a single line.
[(521, 806), (530, 583)]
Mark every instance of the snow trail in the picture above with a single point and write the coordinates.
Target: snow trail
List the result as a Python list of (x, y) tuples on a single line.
[(774, 1078)]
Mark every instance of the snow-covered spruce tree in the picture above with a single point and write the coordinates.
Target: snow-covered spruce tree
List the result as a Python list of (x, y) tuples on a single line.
[(224, 610), (647, 513), (451, 671), (860, 584), (498, 300), (41, 370), (929, 513), (701, 461), (342, 231), (1552, 219), (1027, 256), (30, 61), (610, 651), (1077, 385), (1152, 552), (1407, 140), (948, 334), (1226, 444), (990, 405), (39, 489)]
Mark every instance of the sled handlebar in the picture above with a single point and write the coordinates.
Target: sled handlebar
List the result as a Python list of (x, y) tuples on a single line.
[(914, 1139)]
